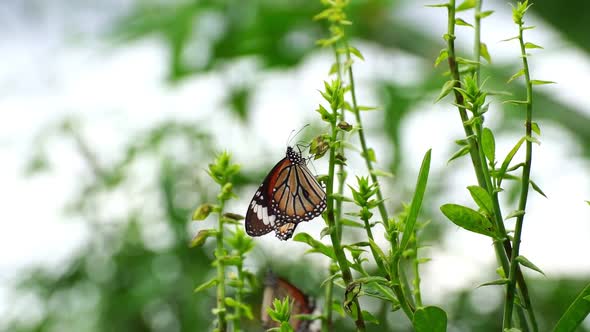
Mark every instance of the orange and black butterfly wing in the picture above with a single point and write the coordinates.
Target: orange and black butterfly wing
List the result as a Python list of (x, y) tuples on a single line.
[(261, 218), (297, 195)]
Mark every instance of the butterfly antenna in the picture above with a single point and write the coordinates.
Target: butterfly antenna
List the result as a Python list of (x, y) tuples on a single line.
[(297, 133)]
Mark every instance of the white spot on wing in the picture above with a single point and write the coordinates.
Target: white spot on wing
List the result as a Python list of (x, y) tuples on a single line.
[(259, 211)]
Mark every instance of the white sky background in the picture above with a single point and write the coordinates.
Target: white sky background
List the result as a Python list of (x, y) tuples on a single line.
[(116, 92)]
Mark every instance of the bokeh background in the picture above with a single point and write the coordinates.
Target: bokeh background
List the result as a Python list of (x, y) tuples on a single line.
[(111, 111)]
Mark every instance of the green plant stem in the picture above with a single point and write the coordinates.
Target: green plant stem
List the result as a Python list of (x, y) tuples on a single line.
[(526, 172), (341, 173), (454, 68), (239, 297), (503, 250), (477, 41), (408, 309), (327, 319), (416, 266), (333, 223), (219, 253)]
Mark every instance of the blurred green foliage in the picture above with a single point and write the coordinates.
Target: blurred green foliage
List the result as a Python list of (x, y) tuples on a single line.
[(120, 280)]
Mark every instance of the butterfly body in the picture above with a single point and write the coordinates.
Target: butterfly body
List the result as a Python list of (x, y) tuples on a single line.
[(288, 195)]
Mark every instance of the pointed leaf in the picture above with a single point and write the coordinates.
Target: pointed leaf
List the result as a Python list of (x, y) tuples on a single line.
[(502, 281), (515, 214), (206, 285), (486, 13), (430, 319), (483, 51), (439, 5), (525, 262), (443, 55), (508, 158), (509, 39), (317, 246), (460, 21), (488, 144), (416, 200), (468, 219), (467, 4), (463, 151), (535, 128), (378, 172), (576, 313), (537, 189), (481, 198), (541, 82), (369, 318), (446, 89), (356, 52), (515, 76), (531, 45)]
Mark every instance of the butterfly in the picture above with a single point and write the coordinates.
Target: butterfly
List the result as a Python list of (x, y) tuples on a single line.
[(288, 195), (279, 288)]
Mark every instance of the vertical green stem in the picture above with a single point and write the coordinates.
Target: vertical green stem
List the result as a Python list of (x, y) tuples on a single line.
[(398, 290), (334, 223), (416, 265), (526, 172), (239, 296), (327, 319), (219, 253), (503, 249), (477, 41)]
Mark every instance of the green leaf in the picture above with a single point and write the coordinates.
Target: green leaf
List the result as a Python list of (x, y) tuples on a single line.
[(430, 319), (483, 51), (367, 108), (370, 155), (380, 254), (502, 281), (541, 82), (515, 214), (316, 245), (508, 158), (485, 13), (588, 202), (512, 329), (331, 278), (467, 4), (446, 89), (463, 151), (481, 198), (515, 76), (468, 219), (356, 52), (416, 200), (515, 102), (460, 21), (532, 140), (509, 39), (443, 55), (369, 318), (206, 285), (201, 236), (576, 313), (378, 172), (535, 128), (488, 144), (537, 189), (334, 68), (531, 45), (525, 262), (440, 5)]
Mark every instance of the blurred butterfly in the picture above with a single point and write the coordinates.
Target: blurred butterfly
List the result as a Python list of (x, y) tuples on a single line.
[(288, 195), (279, 288)]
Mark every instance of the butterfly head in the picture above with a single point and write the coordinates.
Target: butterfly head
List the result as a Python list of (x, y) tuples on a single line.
[(294, 156)]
